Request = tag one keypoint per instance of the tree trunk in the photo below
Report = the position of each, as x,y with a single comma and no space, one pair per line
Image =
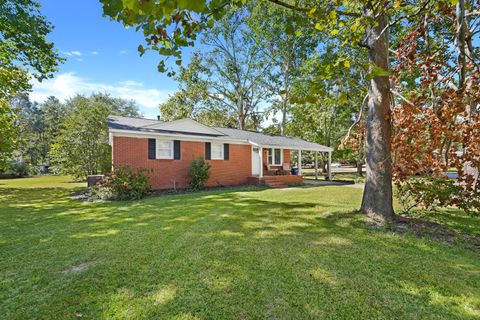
460,42
377,196
241,114
284,116
360,158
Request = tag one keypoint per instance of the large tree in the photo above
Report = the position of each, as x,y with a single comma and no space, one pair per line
286,41
183,104
37,124
362,25
229,75
325,100
24,53
81,148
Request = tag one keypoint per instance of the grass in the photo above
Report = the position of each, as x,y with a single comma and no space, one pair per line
65,182
243,254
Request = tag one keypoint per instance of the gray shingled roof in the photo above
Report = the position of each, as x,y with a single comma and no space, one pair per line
127,123
257,138
272,140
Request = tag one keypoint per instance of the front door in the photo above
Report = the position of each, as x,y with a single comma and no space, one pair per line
255,162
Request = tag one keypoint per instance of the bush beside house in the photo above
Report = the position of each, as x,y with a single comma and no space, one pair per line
199,173
124,184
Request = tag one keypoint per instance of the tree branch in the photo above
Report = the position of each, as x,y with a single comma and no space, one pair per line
305,10
360,116
394,22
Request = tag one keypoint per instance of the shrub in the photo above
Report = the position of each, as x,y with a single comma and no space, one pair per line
434,192
20,168
199,173
124,184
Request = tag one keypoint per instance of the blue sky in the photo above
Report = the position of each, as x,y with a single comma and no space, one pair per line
101,56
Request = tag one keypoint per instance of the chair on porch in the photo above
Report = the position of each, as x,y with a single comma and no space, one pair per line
286,169
269,170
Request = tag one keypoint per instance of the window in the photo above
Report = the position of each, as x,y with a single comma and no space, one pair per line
275,157
164,149
217,151
278,156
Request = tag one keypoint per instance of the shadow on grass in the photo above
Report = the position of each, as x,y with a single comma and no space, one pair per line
223,254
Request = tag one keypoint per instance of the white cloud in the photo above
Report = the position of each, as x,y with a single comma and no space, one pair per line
94,53
73,53
123,51
66,85
131,83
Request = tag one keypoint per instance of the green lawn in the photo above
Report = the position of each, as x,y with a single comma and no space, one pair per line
245,254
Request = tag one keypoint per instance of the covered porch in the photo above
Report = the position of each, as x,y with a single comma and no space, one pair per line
272,164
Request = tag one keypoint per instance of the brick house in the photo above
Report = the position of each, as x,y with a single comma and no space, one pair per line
236,156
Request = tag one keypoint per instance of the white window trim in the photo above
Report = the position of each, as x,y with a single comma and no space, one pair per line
156,149
273,157
222,148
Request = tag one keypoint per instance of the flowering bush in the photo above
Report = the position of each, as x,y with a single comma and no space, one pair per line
124,184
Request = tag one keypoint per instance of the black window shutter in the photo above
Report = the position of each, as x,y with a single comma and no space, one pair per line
226,151
176,149
151,148
208,151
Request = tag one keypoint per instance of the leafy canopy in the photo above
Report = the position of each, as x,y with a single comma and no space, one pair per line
24,52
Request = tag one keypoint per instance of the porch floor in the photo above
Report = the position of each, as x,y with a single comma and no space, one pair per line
275,181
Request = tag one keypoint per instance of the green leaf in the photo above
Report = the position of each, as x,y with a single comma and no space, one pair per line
377,71
289,29
131,4
141,49
193,5
346,63
333,15
319,26
334,32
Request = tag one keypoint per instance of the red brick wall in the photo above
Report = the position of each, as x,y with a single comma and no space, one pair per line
133,152
286,157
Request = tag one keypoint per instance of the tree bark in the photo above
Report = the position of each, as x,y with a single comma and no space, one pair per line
240,113
377,196
460,42
284,116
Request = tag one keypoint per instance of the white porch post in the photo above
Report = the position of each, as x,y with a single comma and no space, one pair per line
299,162
316,165
260,158
330,165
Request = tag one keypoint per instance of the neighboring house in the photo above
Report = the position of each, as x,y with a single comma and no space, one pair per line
168,148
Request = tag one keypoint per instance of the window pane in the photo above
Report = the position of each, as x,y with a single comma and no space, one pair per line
270,155
164,149
217,150
278,159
